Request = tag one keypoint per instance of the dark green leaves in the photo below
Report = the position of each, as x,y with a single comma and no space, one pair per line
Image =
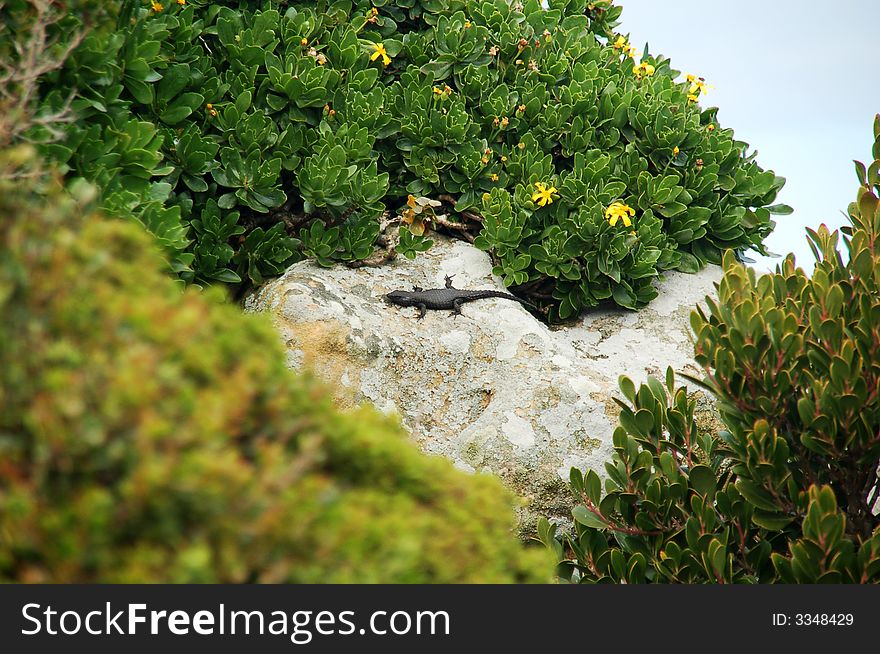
702,480
255,181
410,244
587,518
265,252
286,116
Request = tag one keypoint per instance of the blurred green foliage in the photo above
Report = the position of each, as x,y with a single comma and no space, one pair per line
789,491
153,436
230,129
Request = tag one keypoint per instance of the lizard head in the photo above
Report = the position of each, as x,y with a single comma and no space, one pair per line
403,298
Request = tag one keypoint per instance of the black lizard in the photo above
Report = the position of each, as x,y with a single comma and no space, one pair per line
445,298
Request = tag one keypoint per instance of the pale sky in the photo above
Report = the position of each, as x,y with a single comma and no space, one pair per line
799,80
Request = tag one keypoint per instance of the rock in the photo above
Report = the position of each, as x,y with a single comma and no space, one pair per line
493,389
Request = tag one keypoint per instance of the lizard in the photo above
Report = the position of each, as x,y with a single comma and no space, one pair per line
446,298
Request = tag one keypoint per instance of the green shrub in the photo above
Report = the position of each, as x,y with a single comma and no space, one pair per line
153,436
789,492
246,136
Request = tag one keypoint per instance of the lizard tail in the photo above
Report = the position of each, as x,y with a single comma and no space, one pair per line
508,296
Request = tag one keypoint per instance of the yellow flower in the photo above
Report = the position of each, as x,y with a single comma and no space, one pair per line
711,127
620,43
543,195
380,52
412,216
692,97
630,52
303,41
493,177
181,2
619,211
437,91
156,6
643,69
467,24
675,151
698,85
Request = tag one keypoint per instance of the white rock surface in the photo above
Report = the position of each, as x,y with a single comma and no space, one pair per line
493,389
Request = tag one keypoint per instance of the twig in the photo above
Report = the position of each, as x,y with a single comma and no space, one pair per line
20,77
475,217
443,221
387,220
469,215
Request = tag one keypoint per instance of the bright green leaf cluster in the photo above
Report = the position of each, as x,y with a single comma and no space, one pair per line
298,113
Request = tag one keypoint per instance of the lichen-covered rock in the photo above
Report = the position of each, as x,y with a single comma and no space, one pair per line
493,389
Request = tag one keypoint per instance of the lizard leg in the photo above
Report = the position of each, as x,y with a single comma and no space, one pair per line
418,289
456,308
449,281
422,311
